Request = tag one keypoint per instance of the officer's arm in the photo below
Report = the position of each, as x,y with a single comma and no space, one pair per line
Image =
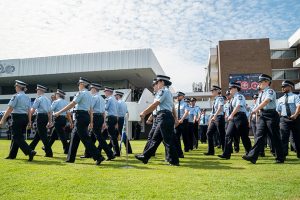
151,108
263,104
69,117
235,110
150,118
6,114
174,113
68,107
30,113
91,111
186,113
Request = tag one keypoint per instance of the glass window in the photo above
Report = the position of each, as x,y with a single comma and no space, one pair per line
291,74
283,54
278,74
285,74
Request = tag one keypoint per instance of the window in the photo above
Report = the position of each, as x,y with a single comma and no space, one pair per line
282,74
283,54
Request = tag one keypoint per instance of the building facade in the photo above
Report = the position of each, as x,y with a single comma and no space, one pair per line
243,61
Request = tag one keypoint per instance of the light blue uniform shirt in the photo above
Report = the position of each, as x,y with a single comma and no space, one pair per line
239,100
164,96
183,107
204,119
98,103
59,104
192,113
122,108
83,100
227,108
293,101
20,103
111,106
268,93
219,101
42,104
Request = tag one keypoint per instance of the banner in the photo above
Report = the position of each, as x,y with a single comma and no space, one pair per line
249,83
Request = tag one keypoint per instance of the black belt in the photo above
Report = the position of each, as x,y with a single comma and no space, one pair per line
268,111
42,114
80,111
164,111
18,114
98,114
240,113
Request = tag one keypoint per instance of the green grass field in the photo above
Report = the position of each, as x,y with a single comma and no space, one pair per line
198,177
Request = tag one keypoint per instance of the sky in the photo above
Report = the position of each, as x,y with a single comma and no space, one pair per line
180,32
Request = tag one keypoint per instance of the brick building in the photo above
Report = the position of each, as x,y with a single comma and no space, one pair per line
243,60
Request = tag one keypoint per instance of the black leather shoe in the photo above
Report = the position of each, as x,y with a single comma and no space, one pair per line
173,164
142,158
49,155
209,154
84,156
110,158
31,155
98,162
279,161
248,158
224,157
9,158
69,161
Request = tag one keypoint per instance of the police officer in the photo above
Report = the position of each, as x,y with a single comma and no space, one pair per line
42,106
193,113
60,121
98,106
165,122
83,119
152,120
236,137
19,108
217,120
237,121
196,113
289,109
181,130
111,108
203,125
268,122
122,112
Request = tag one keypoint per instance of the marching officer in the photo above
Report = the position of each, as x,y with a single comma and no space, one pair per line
98,106
42,106
289,109
217,120
83,119
122,112
60,121
165,122
111,108
181,130
19,108
268,122
152,120
203,126
237,121
195,111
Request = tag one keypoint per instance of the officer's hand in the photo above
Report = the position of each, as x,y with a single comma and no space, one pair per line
71,125
91,125
29,125
104,126
142,115
176,123
213,118
1,123
230,118
49,125
56,114
148,122
293,117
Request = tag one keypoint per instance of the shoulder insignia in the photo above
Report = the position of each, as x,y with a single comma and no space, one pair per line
240,97
161,92
270,91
